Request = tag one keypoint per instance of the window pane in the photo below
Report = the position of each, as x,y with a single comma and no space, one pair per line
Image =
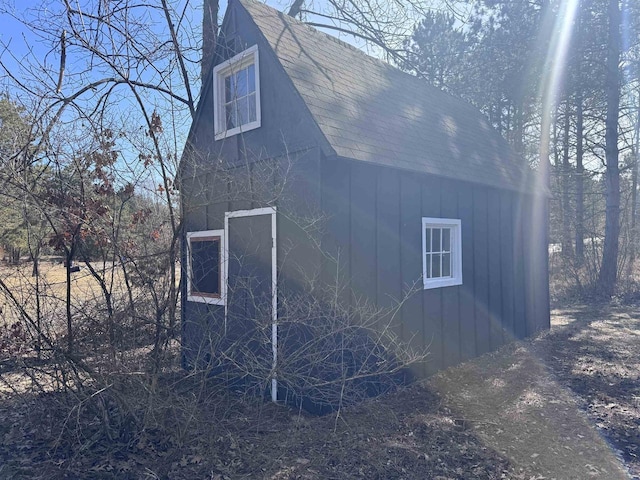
228,94
205,266
251,71
435,265
446,239
252,107
428,240
428,263
435,247
232,119
242,85
233,88
446,264
236,94
243,110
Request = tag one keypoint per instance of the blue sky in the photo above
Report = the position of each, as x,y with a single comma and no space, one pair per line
20,40
14,34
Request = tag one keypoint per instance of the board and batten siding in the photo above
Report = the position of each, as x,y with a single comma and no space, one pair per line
209,194
373,243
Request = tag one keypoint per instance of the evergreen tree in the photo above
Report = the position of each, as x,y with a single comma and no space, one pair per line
437,52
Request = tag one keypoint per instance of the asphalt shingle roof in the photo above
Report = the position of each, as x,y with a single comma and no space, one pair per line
373,112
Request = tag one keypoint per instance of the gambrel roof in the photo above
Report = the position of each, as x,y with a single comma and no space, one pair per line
372,112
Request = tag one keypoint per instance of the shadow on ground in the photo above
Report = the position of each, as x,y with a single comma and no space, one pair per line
595,352
536,402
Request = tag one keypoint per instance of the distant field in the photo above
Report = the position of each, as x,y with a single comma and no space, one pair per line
52,288
86,294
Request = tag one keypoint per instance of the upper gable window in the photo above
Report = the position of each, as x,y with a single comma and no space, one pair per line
236,94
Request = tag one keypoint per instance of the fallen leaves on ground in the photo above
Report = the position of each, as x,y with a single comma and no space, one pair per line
520,413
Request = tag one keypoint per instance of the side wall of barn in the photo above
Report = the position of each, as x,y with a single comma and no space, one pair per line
373,240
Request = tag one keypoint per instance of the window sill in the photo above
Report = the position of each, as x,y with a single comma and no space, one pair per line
439,283
235,131
204,299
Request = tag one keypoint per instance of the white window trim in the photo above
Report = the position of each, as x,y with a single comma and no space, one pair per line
223,260
238,62
456,252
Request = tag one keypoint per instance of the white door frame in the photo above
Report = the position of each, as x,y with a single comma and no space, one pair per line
274,280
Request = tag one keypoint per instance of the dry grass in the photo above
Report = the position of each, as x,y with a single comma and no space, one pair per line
53,276
132,318
52,285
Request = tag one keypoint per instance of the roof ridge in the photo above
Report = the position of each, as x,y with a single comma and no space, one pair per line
424,85
339,41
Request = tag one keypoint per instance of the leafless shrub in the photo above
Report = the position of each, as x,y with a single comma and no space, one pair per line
327,355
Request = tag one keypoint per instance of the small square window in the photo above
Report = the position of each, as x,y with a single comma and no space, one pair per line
236,94
441,252
204,266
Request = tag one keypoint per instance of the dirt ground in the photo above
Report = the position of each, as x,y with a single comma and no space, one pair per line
595,353
553,406
565,405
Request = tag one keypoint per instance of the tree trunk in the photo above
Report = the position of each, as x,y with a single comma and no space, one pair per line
209,33
609,269
294,11
567,246
14,255
634,194
579,182
68,262
69,254
518,140
556,167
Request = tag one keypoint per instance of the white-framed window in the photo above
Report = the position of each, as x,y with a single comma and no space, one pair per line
236,94
205,262
441,252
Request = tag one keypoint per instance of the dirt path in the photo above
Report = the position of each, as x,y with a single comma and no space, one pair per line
528,401
595,352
